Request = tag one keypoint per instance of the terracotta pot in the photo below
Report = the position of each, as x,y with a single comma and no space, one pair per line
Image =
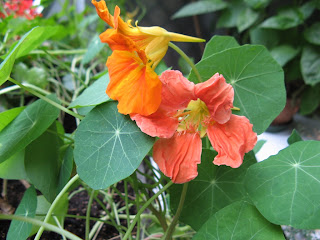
286,116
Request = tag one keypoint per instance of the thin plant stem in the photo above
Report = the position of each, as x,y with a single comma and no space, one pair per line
60,52
143,208
174,222
57,105
59,225
43,225
88,214
53,205
125,183
188,60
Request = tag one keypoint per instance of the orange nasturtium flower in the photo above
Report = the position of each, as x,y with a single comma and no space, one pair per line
189,112
136,53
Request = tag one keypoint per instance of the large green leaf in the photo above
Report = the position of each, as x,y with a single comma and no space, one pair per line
284,53
8,116
28,42
219,44
310,99
13,168
94,94
312,34
286,187
66,169
25,128
20,230
200,7
214,188
257,80
310,64
270,38
239,221
108,146
42,162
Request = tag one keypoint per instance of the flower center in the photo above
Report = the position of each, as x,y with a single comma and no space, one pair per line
194,118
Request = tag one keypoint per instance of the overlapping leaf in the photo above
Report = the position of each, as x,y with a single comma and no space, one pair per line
219,44
239,221
286,187
257,80
108,146
28,126
214,188
310,64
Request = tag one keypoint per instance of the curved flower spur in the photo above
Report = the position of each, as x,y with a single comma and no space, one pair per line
189,112
136,53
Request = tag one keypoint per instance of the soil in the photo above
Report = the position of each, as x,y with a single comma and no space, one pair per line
77,206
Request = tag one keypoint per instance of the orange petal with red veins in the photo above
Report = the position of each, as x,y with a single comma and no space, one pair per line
177,91
133,83
177,157
232,140
159,124
218,96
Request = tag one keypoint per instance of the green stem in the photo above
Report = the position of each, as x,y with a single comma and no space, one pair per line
60,52
174,222
55,202
143,208
57,105
43,225
88,214
125,183
188,60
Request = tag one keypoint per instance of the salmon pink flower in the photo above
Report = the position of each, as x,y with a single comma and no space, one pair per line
136,53
189,112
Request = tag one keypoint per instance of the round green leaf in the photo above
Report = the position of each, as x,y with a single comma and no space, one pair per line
312,34
26,208
214,188
239,221
257,80
108,146
219,44
13,168
310,65
25,128
286,187
284,53
8,116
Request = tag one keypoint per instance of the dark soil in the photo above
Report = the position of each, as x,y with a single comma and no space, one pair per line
77,206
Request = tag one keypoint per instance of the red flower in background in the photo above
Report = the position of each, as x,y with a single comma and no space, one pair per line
20,8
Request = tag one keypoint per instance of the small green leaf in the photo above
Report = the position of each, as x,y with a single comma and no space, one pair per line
229,16
268,37
13,168
28,42
94,94
239,220
28,126
258,4
95,46
294,137
108,146
286,187
246,18
200,7
258,146
312,34
310,64
310,99
257,80
42,162
66,168
8,116
284,53
27,208
214,188
218,44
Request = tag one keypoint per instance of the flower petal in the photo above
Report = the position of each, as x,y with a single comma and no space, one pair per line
218,96
177,91
133,83
159,124
232,140
117,41
177,157
103,12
